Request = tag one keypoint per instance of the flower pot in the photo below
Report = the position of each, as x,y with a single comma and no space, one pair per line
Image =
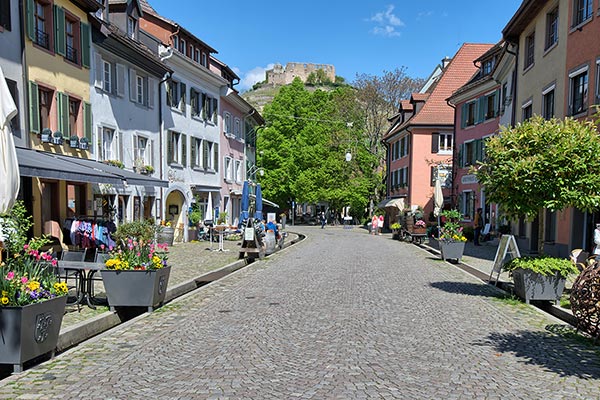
417,230
530,285
452,250
30,331
192,234
136,288
83,145
166,235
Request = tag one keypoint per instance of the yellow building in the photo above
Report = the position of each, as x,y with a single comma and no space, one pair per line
57,62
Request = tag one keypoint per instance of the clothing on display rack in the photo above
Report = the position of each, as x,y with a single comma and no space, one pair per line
92,233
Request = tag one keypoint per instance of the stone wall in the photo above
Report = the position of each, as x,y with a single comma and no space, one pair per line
283,76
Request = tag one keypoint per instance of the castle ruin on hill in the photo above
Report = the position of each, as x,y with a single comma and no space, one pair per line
284,76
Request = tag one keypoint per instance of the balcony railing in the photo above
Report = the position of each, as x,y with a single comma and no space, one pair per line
71,54
41,39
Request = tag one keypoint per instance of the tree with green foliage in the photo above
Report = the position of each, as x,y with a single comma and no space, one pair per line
542,164
303,149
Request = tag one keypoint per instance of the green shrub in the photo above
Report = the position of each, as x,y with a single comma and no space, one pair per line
547,266
136,230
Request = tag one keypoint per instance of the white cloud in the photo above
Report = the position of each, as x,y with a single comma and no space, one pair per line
386,22
256,74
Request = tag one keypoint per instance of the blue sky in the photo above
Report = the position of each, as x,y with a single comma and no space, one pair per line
355,36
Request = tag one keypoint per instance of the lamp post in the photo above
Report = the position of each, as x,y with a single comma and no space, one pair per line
253,170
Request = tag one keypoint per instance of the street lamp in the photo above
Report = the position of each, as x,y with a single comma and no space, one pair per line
254,169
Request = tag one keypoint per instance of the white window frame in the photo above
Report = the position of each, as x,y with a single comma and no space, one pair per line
204,59
142,152
545,93
524,106
467,204
227,124
237,131
572,76
109,151
228,168
474,114
551,32
527,51
131,27
107,84
598,81
443,147
176,146
238,171
140,92
588,5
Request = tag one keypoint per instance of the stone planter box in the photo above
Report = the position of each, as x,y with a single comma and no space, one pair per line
530,285
166,235
133,288
30,331
452,250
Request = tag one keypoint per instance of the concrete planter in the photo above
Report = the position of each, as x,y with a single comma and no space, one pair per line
530,285
134,288
452,250
30,331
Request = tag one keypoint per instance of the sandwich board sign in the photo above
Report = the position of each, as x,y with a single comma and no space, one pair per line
507,246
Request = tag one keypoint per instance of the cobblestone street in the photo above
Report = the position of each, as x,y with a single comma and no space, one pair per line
340,315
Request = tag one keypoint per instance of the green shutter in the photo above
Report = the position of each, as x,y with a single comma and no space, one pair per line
169,93
497,103
30,7
63,113
463,116
204,106
59,31
169,147
193,152
205,154
34,108
461,151
85,45
481,106
216,153
193,102
182,98
184,150
435,143
87,120
215,115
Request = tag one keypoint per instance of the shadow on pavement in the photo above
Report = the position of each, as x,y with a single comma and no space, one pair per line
472,289
556,353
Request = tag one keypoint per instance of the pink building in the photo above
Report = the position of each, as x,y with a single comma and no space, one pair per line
421,138
477,107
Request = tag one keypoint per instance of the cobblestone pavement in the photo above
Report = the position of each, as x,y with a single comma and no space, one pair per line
341,315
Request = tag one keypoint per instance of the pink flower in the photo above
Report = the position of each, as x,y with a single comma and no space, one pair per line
10,275
102,246
24,280
110,248
54,262
25,247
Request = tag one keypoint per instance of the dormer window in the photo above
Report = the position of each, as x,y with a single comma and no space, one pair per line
487,67
131,27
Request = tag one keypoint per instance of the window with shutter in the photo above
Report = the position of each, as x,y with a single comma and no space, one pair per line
481,108
59,30
170,147
204,107
184,150
215,115
87,120
193,102
216,157
34,108
205,154
194,152
63,113
435,143
151,91
132,85
182,99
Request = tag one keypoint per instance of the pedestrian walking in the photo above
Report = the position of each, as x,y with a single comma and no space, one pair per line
597,239
380,224
478,225
374,224
323,219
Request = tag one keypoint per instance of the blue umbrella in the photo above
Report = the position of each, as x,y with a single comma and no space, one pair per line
245,202
259,200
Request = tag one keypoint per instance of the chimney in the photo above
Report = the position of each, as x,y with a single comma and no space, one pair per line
445,61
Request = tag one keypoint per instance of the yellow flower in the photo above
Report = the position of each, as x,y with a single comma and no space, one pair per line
4,293
33,285
4,300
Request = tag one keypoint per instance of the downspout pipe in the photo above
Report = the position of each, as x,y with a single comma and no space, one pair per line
513,89
161,126
453,195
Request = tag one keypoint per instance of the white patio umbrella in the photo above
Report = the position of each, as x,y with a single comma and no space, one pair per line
209,215
438,201
9,166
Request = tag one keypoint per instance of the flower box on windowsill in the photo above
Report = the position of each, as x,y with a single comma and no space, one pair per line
74,141
57,138
46,135
84,143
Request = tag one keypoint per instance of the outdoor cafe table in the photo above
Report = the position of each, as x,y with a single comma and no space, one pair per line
85,272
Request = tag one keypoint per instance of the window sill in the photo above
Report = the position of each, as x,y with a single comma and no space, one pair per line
175,109
73,63
197,168
549,49
580,114
176,165
580,26
229,136
528,68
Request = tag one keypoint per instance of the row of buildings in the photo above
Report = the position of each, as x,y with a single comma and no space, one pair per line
547,63
123,114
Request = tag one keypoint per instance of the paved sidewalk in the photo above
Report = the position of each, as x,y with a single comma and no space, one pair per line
340,315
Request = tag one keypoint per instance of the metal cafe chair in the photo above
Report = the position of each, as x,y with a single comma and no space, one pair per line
71,274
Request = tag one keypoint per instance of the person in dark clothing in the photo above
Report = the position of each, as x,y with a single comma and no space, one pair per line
478,225
322,219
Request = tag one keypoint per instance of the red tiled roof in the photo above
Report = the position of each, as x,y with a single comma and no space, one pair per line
420,96
406,105
436,111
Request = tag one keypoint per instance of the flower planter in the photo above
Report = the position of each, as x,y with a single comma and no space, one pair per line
136,288
192,234
166,235
530,285
418,230
83,144
30,331
452,250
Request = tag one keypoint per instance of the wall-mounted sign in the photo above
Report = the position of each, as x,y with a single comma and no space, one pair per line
466,179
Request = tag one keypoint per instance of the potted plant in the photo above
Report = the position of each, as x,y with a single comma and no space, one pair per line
451,239
136,272
222,220
32,300
46,135
540,278
165,233
115,163
84,143
420,227
148,169
74,141
57,138
194,217
395,227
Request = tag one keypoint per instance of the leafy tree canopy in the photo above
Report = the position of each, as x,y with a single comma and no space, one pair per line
542,164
